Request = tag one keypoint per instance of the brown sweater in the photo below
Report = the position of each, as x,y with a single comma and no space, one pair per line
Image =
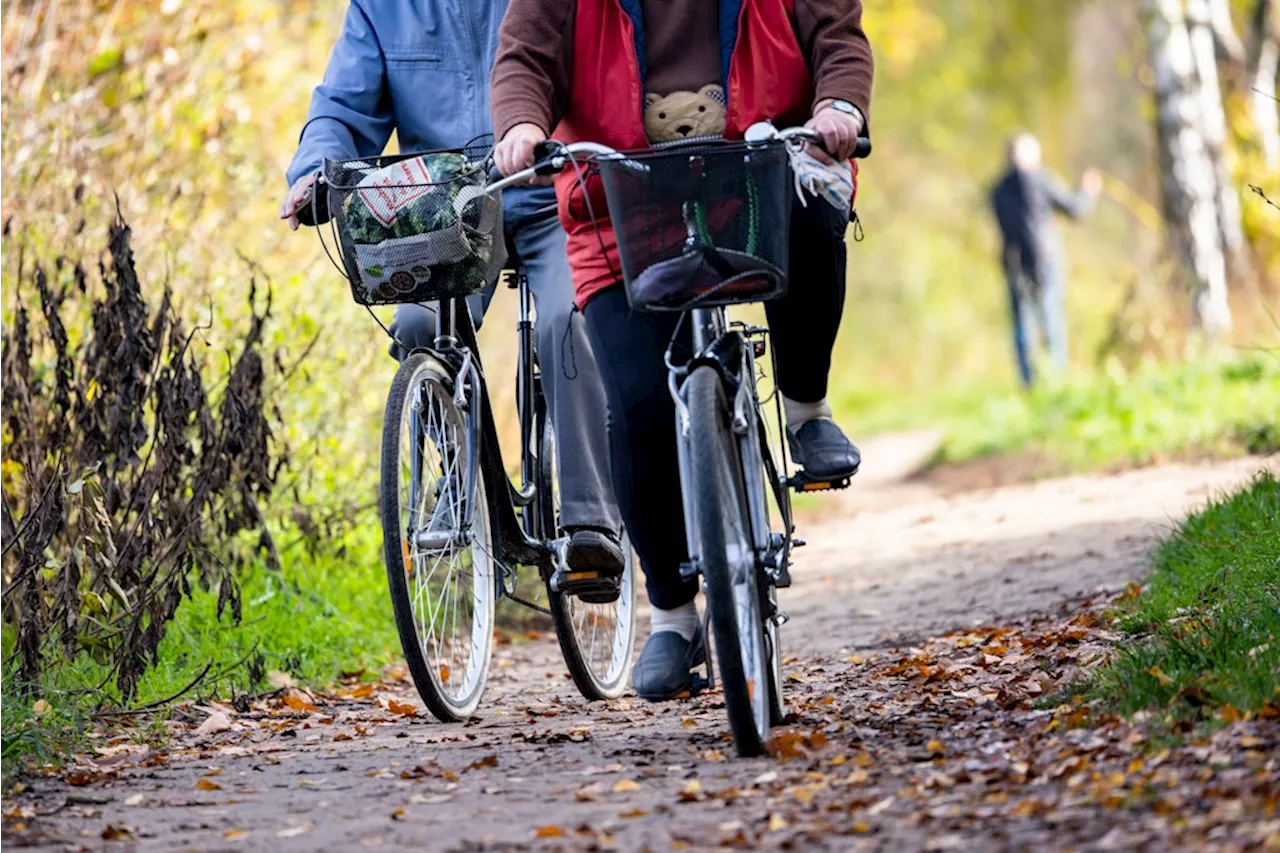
531,74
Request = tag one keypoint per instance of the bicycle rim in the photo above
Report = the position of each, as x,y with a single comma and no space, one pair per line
727,560
437,549
596,639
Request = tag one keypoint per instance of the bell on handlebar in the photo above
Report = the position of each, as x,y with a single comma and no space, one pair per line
761,131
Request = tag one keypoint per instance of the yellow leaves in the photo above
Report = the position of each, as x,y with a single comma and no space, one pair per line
857,777
626,786
298,701
692,792
548,832
206,785
234,834
712,755
40,707
688,723
1134,766
777,822
936,748
398,813
1159,676
861,827
633,814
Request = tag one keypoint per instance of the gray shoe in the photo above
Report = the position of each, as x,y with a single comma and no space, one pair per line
821,448
664,670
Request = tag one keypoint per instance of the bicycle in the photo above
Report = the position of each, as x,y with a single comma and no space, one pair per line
455,525
735,485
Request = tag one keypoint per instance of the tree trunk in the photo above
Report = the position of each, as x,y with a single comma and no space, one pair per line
1263,78
1211,36
1188,176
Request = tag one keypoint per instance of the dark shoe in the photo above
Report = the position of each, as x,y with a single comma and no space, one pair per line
594,550
664,669
823,451
592,567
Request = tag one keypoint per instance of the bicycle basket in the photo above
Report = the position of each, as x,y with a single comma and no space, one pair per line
416,227
700,226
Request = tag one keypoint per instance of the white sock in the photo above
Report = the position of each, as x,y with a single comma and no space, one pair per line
683,620
799,414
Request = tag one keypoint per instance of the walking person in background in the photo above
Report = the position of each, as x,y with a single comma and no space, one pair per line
421,69
1024,201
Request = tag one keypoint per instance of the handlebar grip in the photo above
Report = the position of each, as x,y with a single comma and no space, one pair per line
308,215
863,149
545,155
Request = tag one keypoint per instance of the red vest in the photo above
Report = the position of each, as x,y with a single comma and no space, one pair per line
768,79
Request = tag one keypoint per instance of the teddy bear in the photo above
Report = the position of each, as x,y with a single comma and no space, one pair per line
684,115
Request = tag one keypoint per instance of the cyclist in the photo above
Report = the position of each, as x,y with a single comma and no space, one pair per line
418,68
581,70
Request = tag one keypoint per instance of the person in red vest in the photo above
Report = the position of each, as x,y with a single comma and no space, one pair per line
581,70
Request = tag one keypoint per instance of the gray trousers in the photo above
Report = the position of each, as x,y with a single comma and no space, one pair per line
570,378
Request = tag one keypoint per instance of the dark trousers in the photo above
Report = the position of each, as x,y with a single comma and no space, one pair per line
1037,303
629,349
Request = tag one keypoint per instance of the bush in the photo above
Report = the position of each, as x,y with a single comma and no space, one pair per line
126,477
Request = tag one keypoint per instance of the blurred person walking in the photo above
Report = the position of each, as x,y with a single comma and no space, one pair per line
1024,201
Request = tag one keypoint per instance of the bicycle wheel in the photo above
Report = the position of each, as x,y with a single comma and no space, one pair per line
438,550
596,638
727,560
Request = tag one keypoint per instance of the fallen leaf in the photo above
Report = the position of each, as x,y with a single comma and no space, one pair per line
688,723
861,827
341,736
40,707
777,822
234,834
361,692
397,813
634,813
1159,676
213,771
623,786
548,832
134,800
713,755
298,701
402,708
857,777
214,723
692,791
488,761
936,748
293,831
880,806
206,785
766,778
280,680
115,833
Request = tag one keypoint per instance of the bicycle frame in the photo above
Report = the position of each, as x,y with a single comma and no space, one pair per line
715,342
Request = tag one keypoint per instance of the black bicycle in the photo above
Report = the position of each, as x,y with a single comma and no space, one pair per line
701,226
455,526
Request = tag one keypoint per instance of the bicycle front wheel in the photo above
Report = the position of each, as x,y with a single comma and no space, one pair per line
597,637
727,559
437,540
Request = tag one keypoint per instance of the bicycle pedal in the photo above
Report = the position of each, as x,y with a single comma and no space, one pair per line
696,686
689,571
802,482
591,586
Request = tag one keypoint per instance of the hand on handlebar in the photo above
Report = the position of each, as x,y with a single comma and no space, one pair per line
516,151
298,197
839,132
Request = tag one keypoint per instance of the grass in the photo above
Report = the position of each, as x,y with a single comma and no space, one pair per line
1216,406
314,619
1203,636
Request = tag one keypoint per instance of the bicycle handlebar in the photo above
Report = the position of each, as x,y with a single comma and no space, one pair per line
552,156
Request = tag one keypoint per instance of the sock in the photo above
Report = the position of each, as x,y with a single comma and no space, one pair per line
683,620
799,414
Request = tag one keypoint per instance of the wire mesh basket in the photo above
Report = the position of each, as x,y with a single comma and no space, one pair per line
701,225
416,227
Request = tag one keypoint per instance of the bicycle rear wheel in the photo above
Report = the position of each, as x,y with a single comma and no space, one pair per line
437,542
727,559
596,638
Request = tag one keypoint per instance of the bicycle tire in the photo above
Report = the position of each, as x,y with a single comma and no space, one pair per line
727,559
422,382
596,679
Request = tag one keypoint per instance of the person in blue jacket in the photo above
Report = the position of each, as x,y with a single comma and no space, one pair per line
420,68
1025,201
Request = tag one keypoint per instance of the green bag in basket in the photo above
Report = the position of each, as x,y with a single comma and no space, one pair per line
419,229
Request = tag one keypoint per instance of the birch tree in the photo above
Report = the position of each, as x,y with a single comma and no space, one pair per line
1189,180
1263,77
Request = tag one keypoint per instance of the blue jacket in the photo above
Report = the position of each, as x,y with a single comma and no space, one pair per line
418,67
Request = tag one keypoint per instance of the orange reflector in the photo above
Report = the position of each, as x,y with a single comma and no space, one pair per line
581,576
404,546
751,689
814,487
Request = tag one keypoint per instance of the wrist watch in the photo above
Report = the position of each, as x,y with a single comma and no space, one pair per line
849,110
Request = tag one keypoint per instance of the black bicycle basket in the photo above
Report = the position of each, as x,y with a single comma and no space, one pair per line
701,225
416,227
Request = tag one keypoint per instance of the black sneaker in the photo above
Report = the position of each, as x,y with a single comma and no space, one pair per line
592,568
822,449
664,670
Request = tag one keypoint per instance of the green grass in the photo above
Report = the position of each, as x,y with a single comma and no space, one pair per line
1204,633
312,620
1216,406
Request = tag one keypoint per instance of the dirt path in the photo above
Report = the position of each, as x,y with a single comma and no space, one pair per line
919,749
